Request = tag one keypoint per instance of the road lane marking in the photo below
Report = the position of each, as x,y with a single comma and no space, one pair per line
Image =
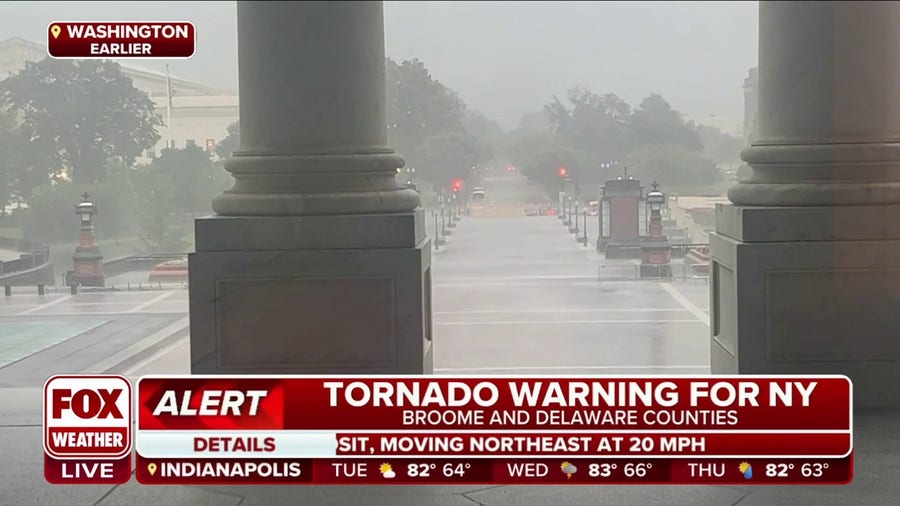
2,306
123,355
149,303
45,306
94,313
690,306
162,352
499,279
561,322
564,310
571,368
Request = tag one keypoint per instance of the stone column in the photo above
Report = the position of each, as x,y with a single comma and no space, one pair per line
317,259
806,262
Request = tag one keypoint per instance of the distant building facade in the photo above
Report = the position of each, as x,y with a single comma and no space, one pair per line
200,114
751,105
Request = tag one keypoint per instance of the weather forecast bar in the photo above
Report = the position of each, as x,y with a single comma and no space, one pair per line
550,471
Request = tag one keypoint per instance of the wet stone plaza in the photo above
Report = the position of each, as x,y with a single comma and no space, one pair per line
512,295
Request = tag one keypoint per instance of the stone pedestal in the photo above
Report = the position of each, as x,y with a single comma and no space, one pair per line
656,257
87,262
622,221
809,290
317,260
806,262
88,269
331,294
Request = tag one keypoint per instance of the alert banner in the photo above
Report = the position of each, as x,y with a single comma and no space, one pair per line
495,403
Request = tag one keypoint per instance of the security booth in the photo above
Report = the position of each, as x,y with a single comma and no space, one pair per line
623,218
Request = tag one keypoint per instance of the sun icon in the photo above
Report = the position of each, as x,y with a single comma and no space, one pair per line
386,471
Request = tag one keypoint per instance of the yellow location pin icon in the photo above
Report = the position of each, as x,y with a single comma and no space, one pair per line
151,468
55,31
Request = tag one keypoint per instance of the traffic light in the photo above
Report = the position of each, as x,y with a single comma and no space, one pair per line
457,185
562,171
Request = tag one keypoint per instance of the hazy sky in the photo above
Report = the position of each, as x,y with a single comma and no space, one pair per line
505,58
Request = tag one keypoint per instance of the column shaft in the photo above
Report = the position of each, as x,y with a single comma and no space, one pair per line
313,114
804,276
829,111
317,260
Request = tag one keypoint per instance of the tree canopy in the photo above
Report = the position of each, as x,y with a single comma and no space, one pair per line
596,135
431,126
77,114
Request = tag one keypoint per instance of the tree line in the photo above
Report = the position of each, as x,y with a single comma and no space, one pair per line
597,137
69,126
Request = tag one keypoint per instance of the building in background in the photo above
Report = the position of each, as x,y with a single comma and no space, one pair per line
200,114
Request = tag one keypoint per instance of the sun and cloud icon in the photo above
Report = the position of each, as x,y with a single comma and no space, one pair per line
387,471
746,469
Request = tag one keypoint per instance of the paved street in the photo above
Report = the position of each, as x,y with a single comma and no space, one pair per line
511,295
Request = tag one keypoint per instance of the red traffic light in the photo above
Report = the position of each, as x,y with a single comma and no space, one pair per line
457,184
562,171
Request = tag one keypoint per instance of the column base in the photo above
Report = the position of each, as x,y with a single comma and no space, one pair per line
311,295
808,290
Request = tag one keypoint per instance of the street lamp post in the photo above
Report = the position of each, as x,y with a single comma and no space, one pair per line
452,212
656,251
574,228
438,239
584,239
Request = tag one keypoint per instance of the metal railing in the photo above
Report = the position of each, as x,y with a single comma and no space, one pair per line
32,267
632,271
130,263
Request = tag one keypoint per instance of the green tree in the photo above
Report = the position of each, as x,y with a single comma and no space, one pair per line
655,123
418,106
76,115
8,161
116,201
720,146
596,124
50,216
231,142
160,227
431,126
673,166
447,156
192,177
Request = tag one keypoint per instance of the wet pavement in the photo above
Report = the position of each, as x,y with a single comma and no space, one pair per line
511,295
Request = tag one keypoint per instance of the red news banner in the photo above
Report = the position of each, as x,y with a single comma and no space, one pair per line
121,40
481,430
494,430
